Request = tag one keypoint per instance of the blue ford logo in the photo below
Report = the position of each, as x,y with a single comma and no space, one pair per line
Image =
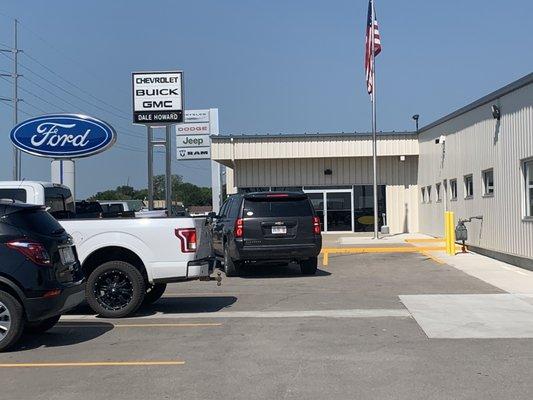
63,136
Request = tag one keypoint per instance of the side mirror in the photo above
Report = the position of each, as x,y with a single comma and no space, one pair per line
212,215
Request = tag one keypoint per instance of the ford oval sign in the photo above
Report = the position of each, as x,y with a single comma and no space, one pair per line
63,136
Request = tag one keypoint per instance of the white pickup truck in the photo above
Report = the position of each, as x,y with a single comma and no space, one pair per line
127,261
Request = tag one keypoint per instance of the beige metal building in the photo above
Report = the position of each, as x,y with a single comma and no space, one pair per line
336,171
482,165
471,161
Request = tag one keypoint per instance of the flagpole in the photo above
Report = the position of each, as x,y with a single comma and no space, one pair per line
374,139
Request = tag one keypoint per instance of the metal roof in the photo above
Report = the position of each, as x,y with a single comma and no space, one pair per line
306,135
526,80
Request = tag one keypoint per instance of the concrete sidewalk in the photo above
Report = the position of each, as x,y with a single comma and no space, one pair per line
333,240
505,276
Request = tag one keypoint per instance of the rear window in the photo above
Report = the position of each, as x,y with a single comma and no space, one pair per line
58,200
13,194
114,208
38,221
277,208
88,207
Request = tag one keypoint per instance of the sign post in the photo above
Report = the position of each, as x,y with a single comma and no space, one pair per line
158,101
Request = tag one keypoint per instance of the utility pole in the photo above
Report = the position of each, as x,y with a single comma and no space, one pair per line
17,165
17,156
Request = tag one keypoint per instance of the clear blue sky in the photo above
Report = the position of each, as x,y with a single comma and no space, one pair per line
269,66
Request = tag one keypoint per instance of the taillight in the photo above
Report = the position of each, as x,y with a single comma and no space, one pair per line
316,225
35,251
239,228
187,237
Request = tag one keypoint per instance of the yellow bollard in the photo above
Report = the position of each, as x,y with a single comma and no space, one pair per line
452,233
449,224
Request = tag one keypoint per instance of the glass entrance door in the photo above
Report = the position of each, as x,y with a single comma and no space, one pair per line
334,208
339,211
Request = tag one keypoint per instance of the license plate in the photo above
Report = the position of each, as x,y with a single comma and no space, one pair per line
279,230
67,255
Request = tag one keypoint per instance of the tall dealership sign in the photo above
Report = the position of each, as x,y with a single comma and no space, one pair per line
158,97
63,137
158,101
193,142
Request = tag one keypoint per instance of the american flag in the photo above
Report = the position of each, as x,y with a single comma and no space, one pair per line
372,34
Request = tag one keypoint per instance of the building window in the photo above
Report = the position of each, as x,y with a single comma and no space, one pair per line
488,182
453,189
469,186
423,195
429,193
528,175
437,189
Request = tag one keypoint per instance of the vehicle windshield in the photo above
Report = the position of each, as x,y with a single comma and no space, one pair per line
277,208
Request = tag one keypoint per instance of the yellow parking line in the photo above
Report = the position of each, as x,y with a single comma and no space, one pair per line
104,325
405,249
437,260
365,250
426,240
93,364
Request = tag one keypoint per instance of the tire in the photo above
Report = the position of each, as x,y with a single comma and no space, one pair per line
115,289
231,267
154,293
309,266
11,320
41,326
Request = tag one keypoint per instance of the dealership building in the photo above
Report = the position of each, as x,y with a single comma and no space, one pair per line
476,161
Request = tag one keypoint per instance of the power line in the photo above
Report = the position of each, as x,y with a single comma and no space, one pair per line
11,106
123,130
59,51
73,94
70,83
34,106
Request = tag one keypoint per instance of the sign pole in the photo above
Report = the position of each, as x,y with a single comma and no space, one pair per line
150,135
168,170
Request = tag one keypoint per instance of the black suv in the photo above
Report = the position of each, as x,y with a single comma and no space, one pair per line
40,275
267,226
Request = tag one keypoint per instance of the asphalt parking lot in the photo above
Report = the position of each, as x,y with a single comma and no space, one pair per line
274,334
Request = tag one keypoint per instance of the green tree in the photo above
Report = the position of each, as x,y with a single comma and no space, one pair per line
188,193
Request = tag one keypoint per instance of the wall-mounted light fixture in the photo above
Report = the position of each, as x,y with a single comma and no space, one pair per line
496,113
402,158
328,172
440,140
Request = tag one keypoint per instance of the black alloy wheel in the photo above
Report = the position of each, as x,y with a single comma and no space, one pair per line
115,289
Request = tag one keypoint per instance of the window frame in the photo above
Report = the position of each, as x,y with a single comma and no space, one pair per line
438,191
465,186
453,189
527,168
485,192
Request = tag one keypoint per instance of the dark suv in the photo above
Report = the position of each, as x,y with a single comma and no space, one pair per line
267,226
40,275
